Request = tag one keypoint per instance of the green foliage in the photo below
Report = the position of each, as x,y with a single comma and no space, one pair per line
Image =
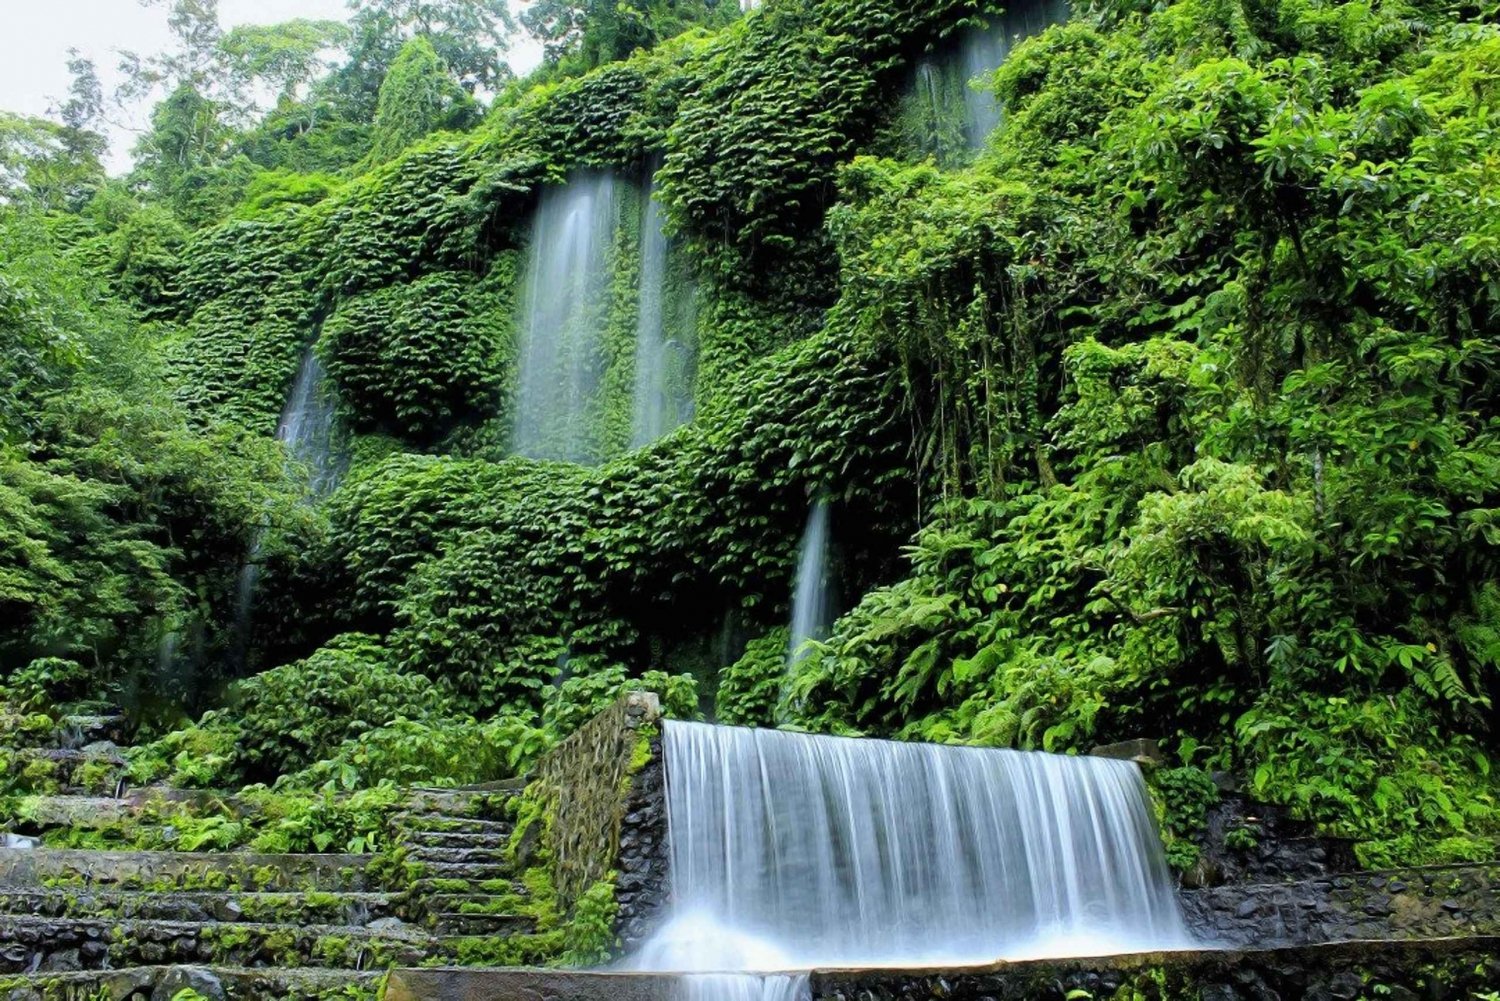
418,97
417,360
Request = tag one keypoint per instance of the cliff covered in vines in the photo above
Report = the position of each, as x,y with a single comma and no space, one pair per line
1172,411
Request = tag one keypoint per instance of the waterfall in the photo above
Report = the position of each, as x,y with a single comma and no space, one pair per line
794,852
308,424
812,595
308,430
564,313
982,53
663,333
949,109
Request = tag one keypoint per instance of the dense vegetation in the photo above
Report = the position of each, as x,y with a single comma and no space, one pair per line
1172,411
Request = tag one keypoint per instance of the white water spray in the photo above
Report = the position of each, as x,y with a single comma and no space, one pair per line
664,334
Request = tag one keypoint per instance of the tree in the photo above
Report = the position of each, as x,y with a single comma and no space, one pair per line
599,31
285,57
418,97
46,164
469,36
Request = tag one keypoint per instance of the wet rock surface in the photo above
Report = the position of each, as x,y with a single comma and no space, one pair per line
1439,901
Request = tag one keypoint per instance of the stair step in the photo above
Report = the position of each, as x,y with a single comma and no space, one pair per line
36,944
236,983
352,909
36,868
429,888
442,823
472,872
467,903
457,839
43,812
49,769
457,856
499,925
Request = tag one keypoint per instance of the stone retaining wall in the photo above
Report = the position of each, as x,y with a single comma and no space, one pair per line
1397,971
1446,970
602,789
1438,901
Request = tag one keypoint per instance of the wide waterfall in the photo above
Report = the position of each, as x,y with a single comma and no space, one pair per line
564,314
793,852
308,425
664,338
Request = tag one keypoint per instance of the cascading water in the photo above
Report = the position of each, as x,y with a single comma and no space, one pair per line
308,424
564,314
663,359
983,52
794,852
812,595
308,429
950,109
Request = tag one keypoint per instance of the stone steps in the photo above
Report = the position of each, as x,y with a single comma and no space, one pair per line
161,983
351,909
37,944
457,839
418,824
45,812
468,872
22,868
462,925
47,770
485,856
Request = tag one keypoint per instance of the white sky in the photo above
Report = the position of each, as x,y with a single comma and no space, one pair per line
35,36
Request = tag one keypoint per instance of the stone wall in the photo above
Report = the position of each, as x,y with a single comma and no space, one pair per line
1431,902
1398,971
601,790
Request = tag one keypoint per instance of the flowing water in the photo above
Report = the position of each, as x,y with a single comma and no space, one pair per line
308,429
308,426
812,595
951,108
663,337
565,310
984,51
792,852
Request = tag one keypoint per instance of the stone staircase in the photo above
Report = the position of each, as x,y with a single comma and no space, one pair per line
237,926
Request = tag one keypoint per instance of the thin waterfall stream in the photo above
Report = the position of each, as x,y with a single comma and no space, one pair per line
792,852
308,429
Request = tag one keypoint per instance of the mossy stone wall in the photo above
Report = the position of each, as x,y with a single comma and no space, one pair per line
585,785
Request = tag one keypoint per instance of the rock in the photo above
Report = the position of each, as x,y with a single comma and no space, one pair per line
62,961
387,925
1141,750
181,978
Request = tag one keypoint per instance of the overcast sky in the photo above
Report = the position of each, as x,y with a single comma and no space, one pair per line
35,36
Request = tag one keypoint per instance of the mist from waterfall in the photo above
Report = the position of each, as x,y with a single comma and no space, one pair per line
985,50
664,354
564,313
795,852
